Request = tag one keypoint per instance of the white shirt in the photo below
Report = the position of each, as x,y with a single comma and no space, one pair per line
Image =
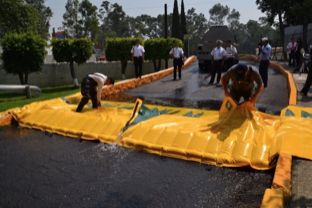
218,53
231,51
137,50
266,49
177,52
100,79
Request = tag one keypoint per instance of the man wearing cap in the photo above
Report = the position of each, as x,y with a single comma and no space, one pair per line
91,88
243,85
137,53
265,54
177,54
218,56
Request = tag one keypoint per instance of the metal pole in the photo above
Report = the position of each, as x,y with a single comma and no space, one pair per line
188,47
166,32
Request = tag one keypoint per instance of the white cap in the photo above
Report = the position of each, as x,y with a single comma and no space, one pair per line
265,39
219,41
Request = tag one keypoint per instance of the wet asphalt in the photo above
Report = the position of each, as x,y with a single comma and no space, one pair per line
38,169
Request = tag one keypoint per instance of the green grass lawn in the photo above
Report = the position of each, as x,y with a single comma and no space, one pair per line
13,100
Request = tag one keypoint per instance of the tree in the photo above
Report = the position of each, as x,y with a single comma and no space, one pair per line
218,14
197,23
23,54
72,50
118,49
89,20
184,26
71,19
43,17
176,24
17,17
273,9
158,49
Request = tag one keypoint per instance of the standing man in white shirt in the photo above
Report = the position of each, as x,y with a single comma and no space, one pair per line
177,54
291,47
218,56
265,54
137,53
231,54
91,88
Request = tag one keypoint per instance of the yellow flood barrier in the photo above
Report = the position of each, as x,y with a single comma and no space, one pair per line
240,137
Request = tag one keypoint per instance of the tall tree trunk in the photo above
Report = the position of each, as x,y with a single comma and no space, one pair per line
159,65
26,77
123,69
155,65
281,27
21,78
73,74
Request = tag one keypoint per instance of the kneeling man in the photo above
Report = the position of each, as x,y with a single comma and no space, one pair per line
243,85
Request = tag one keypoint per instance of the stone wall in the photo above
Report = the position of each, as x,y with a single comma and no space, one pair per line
55,74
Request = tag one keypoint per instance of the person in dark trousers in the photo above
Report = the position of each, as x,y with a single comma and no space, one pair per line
291,47
218,56
91,88
243,78
265,54
137,53
177,54
298,52
304,91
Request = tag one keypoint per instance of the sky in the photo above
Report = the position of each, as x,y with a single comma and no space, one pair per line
247,8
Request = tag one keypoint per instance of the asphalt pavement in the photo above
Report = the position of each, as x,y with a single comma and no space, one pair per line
39,169
301,181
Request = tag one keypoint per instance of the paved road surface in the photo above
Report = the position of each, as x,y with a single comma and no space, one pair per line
46,170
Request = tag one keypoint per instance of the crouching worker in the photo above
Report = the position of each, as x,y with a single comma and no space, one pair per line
91,88
243,85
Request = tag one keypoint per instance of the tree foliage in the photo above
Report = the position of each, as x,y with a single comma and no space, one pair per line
44,15
218,14
72,50
184,26
23,54
176,23
17,17
81,19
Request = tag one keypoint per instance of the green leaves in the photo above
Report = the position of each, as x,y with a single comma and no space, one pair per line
23,53
68,50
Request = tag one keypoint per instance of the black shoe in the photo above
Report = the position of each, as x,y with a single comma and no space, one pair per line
302,93
174,79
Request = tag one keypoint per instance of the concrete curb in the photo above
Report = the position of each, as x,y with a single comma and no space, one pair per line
280,191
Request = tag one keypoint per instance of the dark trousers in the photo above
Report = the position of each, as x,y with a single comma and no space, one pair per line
292,56
308,81
263,70
216,68
298,58
88,91
138,66
236,95
177,63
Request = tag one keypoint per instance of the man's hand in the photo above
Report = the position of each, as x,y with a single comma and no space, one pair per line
132,60
98,104
212,62
253,99
222,63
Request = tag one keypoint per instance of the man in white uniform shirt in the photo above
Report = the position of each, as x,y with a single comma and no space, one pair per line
137,53
231,54
265,54
177,54
218,56
91,88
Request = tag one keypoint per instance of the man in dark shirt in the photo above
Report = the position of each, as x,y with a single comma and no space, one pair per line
243,84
